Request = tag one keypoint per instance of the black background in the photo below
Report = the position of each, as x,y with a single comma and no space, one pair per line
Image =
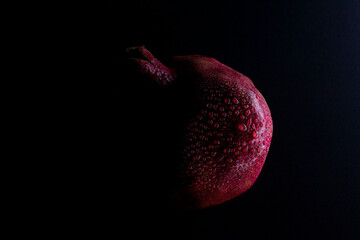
303,56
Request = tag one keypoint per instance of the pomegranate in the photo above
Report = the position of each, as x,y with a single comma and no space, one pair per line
225,126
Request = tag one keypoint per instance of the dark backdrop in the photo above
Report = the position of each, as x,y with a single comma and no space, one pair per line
303,56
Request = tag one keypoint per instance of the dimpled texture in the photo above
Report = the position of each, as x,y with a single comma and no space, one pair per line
226,136
228,139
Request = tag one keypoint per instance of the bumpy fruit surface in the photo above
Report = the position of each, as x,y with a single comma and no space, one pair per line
226,131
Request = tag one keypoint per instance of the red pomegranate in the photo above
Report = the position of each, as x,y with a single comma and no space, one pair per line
226,126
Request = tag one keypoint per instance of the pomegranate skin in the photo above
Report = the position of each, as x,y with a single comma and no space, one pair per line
226,133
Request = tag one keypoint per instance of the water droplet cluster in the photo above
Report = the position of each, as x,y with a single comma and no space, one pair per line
226,135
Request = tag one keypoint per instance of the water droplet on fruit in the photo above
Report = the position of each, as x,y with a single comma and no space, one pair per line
248,122
241,127
254,134
217,142
245,149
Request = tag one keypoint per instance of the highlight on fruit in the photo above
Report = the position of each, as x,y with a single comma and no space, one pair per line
227,131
